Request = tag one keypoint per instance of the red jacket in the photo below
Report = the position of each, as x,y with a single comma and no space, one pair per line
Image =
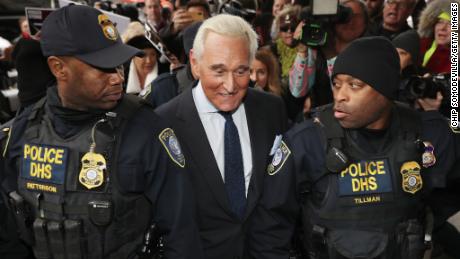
439,61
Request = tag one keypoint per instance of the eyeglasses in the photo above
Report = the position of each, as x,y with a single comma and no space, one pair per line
400,4
288,27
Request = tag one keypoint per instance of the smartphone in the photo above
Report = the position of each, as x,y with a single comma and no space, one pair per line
197,16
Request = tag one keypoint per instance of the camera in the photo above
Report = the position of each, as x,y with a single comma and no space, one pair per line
416,87
106,5
319,16
243,8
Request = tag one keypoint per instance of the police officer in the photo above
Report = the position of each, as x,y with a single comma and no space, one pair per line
87,169
356,174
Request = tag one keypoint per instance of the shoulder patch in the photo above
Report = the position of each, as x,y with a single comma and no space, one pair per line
276,144
172,146
279,158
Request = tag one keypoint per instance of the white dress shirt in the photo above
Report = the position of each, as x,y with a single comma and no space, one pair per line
214,125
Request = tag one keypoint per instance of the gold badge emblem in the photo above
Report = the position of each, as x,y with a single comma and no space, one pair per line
107,27
411,179
92,170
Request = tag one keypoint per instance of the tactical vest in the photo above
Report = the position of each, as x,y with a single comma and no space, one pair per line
370,208
70,219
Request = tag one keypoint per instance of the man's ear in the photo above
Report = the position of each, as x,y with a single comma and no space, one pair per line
58,67
194,65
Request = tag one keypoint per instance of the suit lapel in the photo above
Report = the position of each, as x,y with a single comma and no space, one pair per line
197,144
257,135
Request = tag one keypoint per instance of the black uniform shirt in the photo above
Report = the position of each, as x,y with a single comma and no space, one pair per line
301,165
144,166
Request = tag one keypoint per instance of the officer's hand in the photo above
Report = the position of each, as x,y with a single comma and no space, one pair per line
181,19
430,104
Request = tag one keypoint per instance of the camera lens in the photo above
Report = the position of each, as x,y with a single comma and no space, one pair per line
417,86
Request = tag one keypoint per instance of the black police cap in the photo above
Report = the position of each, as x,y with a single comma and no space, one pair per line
87,34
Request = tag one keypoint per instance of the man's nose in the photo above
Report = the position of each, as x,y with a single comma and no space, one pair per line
340,94
253,76
229,82
117,77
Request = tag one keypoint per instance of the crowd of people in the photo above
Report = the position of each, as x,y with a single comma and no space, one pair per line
232,129
303,69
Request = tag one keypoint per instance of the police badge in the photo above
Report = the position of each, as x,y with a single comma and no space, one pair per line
411,181
92,170
107,27
170,143
279,158
428,157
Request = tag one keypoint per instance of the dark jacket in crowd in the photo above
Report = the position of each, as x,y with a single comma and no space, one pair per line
223,234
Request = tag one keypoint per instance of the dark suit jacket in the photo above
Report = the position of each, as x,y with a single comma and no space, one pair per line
223,235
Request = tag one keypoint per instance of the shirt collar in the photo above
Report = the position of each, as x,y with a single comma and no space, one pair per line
203,105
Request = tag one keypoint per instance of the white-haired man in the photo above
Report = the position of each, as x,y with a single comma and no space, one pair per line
226,130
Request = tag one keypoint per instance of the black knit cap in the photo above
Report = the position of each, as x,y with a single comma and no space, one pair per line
87,34
373,60
410,42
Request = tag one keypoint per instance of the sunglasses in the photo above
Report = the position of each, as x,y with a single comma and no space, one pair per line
288,27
